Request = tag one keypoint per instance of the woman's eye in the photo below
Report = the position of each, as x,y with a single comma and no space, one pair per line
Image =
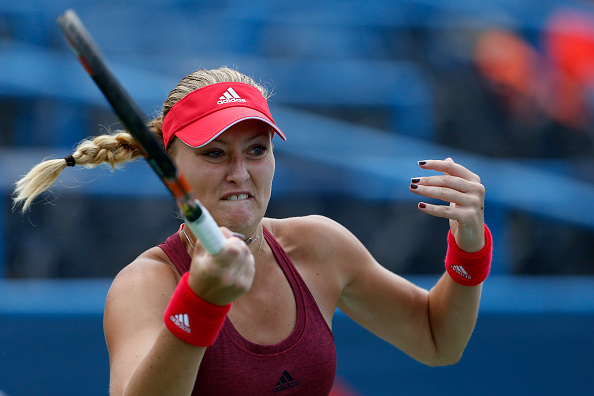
259,150
215,154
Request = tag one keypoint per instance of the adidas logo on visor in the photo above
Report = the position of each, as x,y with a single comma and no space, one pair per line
230,96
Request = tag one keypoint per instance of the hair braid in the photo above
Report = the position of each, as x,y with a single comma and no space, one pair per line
119,147
114,149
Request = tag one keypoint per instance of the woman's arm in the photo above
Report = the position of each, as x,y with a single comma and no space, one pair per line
145,357
431,326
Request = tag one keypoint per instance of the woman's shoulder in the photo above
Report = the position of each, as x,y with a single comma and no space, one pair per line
150,269
312,234
138,296
310,226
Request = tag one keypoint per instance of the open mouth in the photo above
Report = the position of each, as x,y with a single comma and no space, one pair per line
237,197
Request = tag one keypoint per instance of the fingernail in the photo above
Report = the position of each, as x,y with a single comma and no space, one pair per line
415,180
238,235
422,205
422,162
414,186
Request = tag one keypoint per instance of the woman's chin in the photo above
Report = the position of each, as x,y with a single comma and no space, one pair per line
238,222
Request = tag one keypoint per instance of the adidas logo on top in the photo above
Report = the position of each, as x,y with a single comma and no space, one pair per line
461,271
285,382
182,321
230,96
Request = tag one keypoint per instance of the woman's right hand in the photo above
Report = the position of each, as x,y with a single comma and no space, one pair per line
226,276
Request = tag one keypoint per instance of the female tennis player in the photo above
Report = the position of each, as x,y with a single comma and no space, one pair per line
256,318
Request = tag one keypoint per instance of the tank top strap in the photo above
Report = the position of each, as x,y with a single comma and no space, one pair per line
285,263
176,251
300,305
302,293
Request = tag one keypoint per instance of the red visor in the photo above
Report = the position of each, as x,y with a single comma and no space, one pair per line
205,113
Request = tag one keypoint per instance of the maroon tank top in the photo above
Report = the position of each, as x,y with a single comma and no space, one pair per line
302,364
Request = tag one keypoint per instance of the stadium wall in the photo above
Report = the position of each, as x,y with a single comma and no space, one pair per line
533,336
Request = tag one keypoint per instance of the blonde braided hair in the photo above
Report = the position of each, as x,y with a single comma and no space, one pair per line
119,147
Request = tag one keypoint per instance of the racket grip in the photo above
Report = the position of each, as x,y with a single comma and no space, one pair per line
208,232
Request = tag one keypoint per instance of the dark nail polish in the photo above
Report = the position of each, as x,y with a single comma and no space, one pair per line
414,186
422,162
415,180
422,205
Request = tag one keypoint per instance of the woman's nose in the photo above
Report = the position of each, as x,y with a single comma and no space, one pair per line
238,172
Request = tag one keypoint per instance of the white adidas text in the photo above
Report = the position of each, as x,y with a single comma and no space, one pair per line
223,101
181,321
230,96
460,271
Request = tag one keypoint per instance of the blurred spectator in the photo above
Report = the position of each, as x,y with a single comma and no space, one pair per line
541,98
569,45
509,65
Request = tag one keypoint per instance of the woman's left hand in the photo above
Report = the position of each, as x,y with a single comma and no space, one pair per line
466,195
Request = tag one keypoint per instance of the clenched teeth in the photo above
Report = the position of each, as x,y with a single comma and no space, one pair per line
239,197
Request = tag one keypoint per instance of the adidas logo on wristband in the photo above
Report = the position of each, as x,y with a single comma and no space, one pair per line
469,269
209,317
460,271
182,321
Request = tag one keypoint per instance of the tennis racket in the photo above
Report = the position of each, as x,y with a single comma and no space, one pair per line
199,219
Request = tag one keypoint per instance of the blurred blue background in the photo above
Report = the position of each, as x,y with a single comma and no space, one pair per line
363,89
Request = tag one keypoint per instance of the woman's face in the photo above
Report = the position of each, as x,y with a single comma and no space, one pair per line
232,175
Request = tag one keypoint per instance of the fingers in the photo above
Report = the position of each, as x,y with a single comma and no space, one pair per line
449,167
449,189
463,215
223,278
457,185
465,194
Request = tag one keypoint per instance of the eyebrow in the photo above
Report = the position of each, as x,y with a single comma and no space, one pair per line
247,140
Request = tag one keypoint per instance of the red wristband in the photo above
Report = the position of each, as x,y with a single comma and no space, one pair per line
192,319
469,269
